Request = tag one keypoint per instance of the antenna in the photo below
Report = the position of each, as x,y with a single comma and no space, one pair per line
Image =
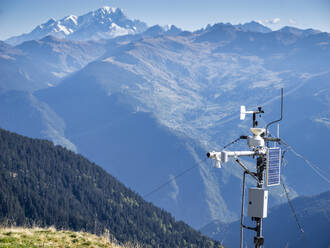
273,122
267,159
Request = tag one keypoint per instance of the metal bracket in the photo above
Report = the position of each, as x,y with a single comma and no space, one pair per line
253,174
250,228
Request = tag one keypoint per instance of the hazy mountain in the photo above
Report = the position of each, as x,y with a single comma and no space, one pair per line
280,227
12,76
254,27
155,93
42,63
132,145
23,112
102,23
61,57
35,65
157,30
299,32
5,47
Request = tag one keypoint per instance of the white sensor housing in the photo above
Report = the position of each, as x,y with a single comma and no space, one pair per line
256,140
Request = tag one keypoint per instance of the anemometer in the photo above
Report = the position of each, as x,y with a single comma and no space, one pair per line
268,162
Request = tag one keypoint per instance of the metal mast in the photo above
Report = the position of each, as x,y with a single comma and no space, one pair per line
266,158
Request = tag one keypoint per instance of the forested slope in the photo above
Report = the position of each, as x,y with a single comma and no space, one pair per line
42,184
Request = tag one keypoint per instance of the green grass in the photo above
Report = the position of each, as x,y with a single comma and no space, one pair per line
19,237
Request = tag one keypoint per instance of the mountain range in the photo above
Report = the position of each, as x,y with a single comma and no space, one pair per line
147,106
103,23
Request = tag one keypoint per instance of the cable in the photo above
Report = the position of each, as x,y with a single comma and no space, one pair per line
315,168
284,162
231,143
292,208
303,234
184,172
173,178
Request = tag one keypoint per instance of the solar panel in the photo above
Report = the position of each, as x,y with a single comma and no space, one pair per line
273,166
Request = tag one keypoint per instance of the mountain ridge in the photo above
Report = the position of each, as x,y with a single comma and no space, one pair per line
254,26
102,23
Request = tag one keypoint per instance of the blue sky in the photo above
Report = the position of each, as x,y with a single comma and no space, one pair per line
21,16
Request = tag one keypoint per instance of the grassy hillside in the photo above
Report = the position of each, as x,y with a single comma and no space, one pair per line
46,185
40,237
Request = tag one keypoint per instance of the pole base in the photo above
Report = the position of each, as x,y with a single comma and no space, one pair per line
258,241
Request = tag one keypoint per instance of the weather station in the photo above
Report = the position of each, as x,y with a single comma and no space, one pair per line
268,161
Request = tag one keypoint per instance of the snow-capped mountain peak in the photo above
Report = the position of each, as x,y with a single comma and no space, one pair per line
108,9
71,18
103,23
50,21
106,12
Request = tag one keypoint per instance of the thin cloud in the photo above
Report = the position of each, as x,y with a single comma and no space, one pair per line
260,22
292,21
273,21
174,194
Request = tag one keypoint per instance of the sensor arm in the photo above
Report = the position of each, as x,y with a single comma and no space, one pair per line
222,157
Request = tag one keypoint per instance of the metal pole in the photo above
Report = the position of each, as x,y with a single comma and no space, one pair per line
242,209
258,239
